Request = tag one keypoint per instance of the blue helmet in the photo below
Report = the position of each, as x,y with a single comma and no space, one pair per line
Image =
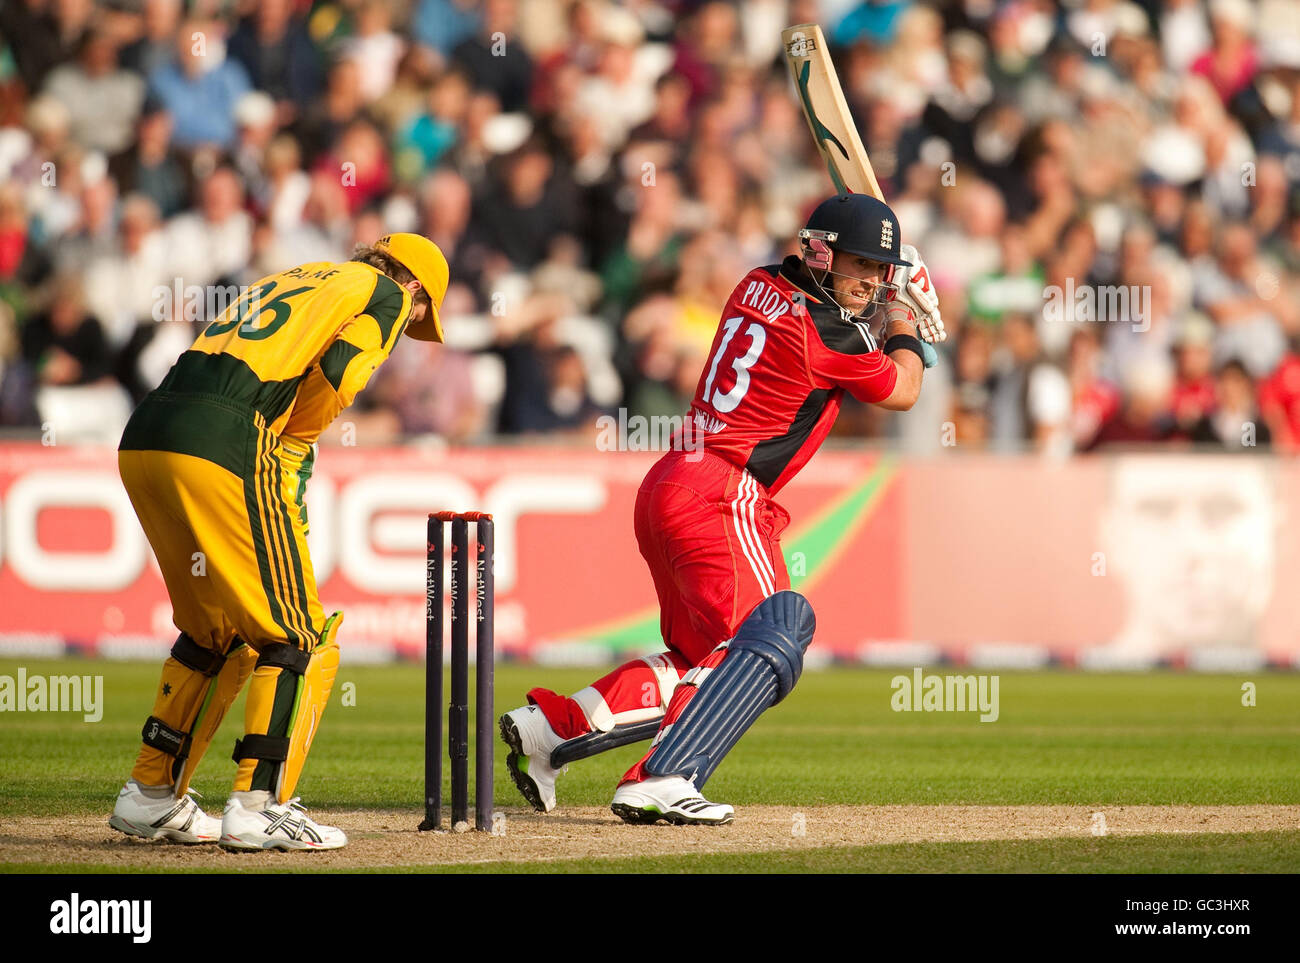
860,225
857,224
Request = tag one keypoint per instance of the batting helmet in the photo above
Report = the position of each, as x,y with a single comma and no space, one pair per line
856,224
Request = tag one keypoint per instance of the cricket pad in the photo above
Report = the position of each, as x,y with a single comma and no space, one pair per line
762,666
197,687
286,700
314,690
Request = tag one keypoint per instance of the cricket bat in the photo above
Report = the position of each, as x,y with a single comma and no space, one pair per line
826,110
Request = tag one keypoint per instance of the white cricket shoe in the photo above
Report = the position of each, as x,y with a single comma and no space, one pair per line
252,820
670,798
166,817
531,740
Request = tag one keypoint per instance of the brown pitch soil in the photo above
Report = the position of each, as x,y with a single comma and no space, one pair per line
388,837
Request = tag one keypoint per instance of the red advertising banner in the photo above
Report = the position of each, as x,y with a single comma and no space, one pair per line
1116,562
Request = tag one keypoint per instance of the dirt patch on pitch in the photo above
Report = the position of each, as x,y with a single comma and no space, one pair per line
388,837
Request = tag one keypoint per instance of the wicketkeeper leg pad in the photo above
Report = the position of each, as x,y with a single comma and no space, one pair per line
762,665
285,703
198,686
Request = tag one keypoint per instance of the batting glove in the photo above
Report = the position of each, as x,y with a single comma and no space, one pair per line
917,292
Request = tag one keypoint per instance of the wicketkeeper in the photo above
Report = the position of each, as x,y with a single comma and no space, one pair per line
793,339
215,461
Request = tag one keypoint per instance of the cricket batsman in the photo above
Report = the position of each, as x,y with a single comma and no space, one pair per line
215,461
792,340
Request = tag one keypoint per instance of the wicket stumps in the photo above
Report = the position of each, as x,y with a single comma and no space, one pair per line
458,705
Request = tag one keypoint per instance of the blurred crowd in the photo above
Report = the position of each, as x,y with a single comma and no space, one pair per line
1107,193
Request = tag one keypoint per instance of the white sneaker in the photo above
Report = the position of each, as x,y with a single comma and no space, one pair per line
670,798
178,820
252,820
531,740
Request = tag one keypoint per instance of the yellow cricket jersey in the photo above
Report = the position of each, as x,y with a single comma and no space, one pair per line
290,354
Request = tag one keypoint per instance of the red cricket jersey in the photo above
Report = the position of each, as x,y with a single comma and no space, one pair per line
777,372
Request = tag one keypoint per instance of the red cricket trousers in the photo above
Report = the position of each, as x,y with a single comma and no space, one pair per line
711,536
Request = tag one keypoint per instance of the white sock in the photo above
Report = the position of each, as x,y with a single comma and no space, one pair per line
252,799
155,792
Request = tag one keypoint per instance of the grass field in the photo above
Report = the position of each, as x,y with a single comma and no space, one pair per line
1104,742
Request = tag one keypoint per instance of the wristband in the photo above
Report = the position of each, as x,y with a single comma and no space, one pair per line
905,342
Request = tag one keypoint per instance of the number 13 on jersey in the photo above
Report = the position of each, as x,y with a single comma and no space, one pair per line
721,401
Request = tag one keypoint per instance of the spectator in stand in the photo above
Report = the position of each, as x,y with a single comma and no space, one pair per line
973,385
1193,394
577,56
103,99
706,42
432,389
321,234
1144,417
286,185
1051,199
876,22
47,35
396,110
51,159
1270,201
1015,285
647,260
276,51
121,284
95,232
23,264
160,20
360,160
65,345
200,86
494,58
1184,33
1231,61
211,245
150,166
1281,133
431,133
445,205
952,110
1094,400
375,48
619,93
1236,423
532,203
1031,397
545,383
444,24
322,123
1243,304
669,124
255,120
665,376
